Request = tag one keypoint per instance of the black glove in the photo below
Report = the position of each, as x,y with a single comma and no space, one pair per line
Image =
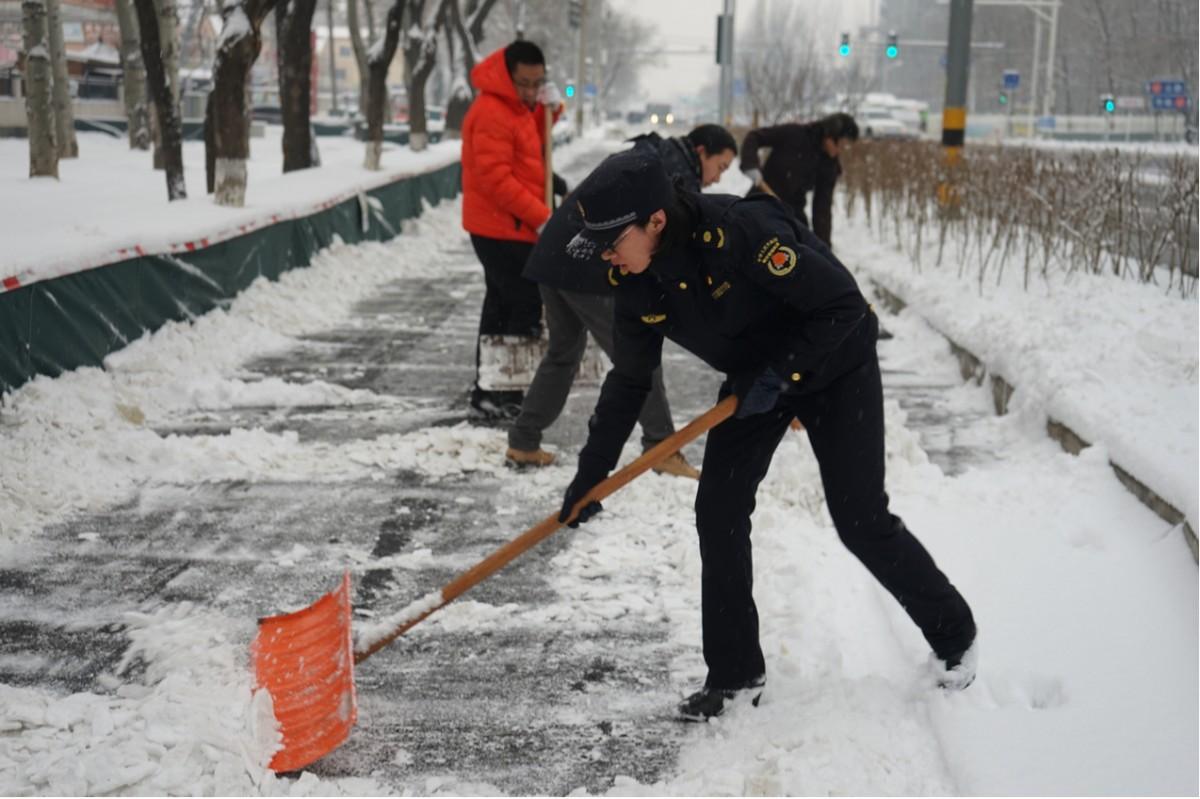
559,185
757,392
584,480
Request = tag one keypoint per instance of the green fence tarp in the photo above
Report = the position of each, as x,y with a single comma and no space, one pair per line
53,326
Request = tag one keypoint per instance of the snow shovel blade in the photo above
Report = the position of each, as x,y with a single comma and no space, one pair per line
305,660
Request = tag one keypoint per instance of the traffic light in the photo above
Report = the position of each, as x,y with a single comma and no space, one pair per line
1107,103
893,47
574,12
844,47
569,90
1003,97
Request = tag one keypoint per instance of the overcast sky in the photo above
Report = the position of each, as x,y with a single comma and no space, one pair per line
691,24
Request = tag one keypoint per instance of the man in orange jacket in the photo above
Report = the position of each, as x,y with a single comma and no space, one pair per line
504,203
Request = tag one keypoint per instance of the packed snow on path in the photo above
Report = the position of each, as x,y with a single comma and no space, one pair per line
1086,601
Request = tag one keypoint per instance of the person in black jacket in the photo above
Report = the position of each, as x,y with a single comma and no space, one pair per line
804,158
578,300
742,285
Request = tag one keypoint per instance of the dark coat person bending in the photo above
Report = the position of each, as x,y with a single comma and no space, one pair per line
757,296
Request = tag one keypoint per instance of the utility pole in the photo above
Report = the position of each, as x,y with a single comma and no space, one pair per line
725,59
1044,11
1048,100
581,78
954,110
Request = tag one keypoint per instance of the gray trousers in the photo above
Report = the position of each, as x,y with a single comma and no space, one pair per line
570,316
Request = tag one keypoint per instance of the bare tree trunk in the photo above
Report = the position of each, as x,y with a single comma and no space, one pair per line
39,112
470,34
293,23
210,144
134,79
420,58
333,86
379,60
64,109
164,100
360,55
229,120
369,8
168,41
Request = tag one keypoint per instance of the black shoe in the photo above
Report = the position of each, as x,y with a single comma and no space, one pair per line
959,669
710,702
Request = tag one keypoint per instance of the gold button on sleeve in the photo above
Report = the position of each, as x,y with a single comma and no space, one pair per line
796,377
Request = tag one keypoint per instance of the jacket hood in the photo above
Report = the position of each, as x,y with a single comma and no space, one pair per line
491,75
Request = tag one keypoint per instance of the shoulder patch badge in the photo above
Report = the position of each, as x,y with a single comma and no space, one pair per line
779,259
654,318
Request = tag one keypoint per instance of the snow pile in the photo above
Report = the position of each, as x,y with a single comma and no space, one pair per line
181,719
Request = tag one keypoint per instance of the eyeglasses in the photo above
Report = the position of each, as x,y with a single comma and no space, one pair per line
530,84
612,248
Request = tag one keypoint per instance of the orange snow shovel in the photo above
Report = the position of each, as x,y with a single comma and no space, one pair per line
306,659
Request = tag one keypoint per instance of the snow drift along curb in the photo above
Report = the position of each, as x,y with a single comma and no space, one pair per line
56,325
973,368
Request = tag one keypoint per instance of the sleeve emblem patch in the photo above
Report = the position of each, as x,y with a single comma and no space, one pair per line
654,318
779,259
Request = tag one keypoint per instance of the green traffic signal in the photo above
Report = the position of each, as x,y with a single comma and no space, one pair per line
570,90
1003,98
892,51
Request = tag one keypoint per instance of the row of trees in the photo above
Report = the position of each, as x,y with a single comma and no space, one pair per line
783,57
149,52
428,34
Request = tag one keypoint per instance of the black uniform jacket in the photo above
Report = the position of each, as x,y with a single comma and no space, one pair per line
751,288
549,265
797,165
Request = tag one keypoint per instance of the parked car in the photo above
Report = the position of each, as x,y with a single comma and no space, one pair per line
876,123
272,114
563,130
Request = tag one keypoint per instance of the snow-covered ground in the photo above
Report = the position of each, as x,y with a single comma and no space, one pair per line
1086,601
1114,360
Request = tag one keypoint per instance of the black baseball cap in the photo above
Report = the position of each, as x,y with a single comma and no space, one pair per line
626,188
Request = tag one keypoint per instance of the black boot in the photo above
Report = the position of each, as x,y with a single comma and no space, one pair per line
709,702
959,669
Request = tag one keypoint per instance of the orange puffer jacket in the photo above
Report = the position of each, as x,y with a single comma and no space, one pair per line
503,174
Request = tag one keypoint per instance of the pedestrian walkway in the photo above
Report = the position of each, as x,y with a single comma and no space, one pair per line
527,704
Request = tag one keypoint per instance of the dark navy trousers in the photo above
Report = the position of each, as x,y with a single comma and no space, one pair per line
844,421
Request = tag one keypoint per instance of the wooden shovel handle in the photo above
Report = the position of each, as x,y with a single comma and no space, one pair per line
548,150
545,528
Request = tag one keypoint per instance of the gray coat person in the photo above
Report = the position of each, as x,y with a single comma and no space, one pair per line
578,299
